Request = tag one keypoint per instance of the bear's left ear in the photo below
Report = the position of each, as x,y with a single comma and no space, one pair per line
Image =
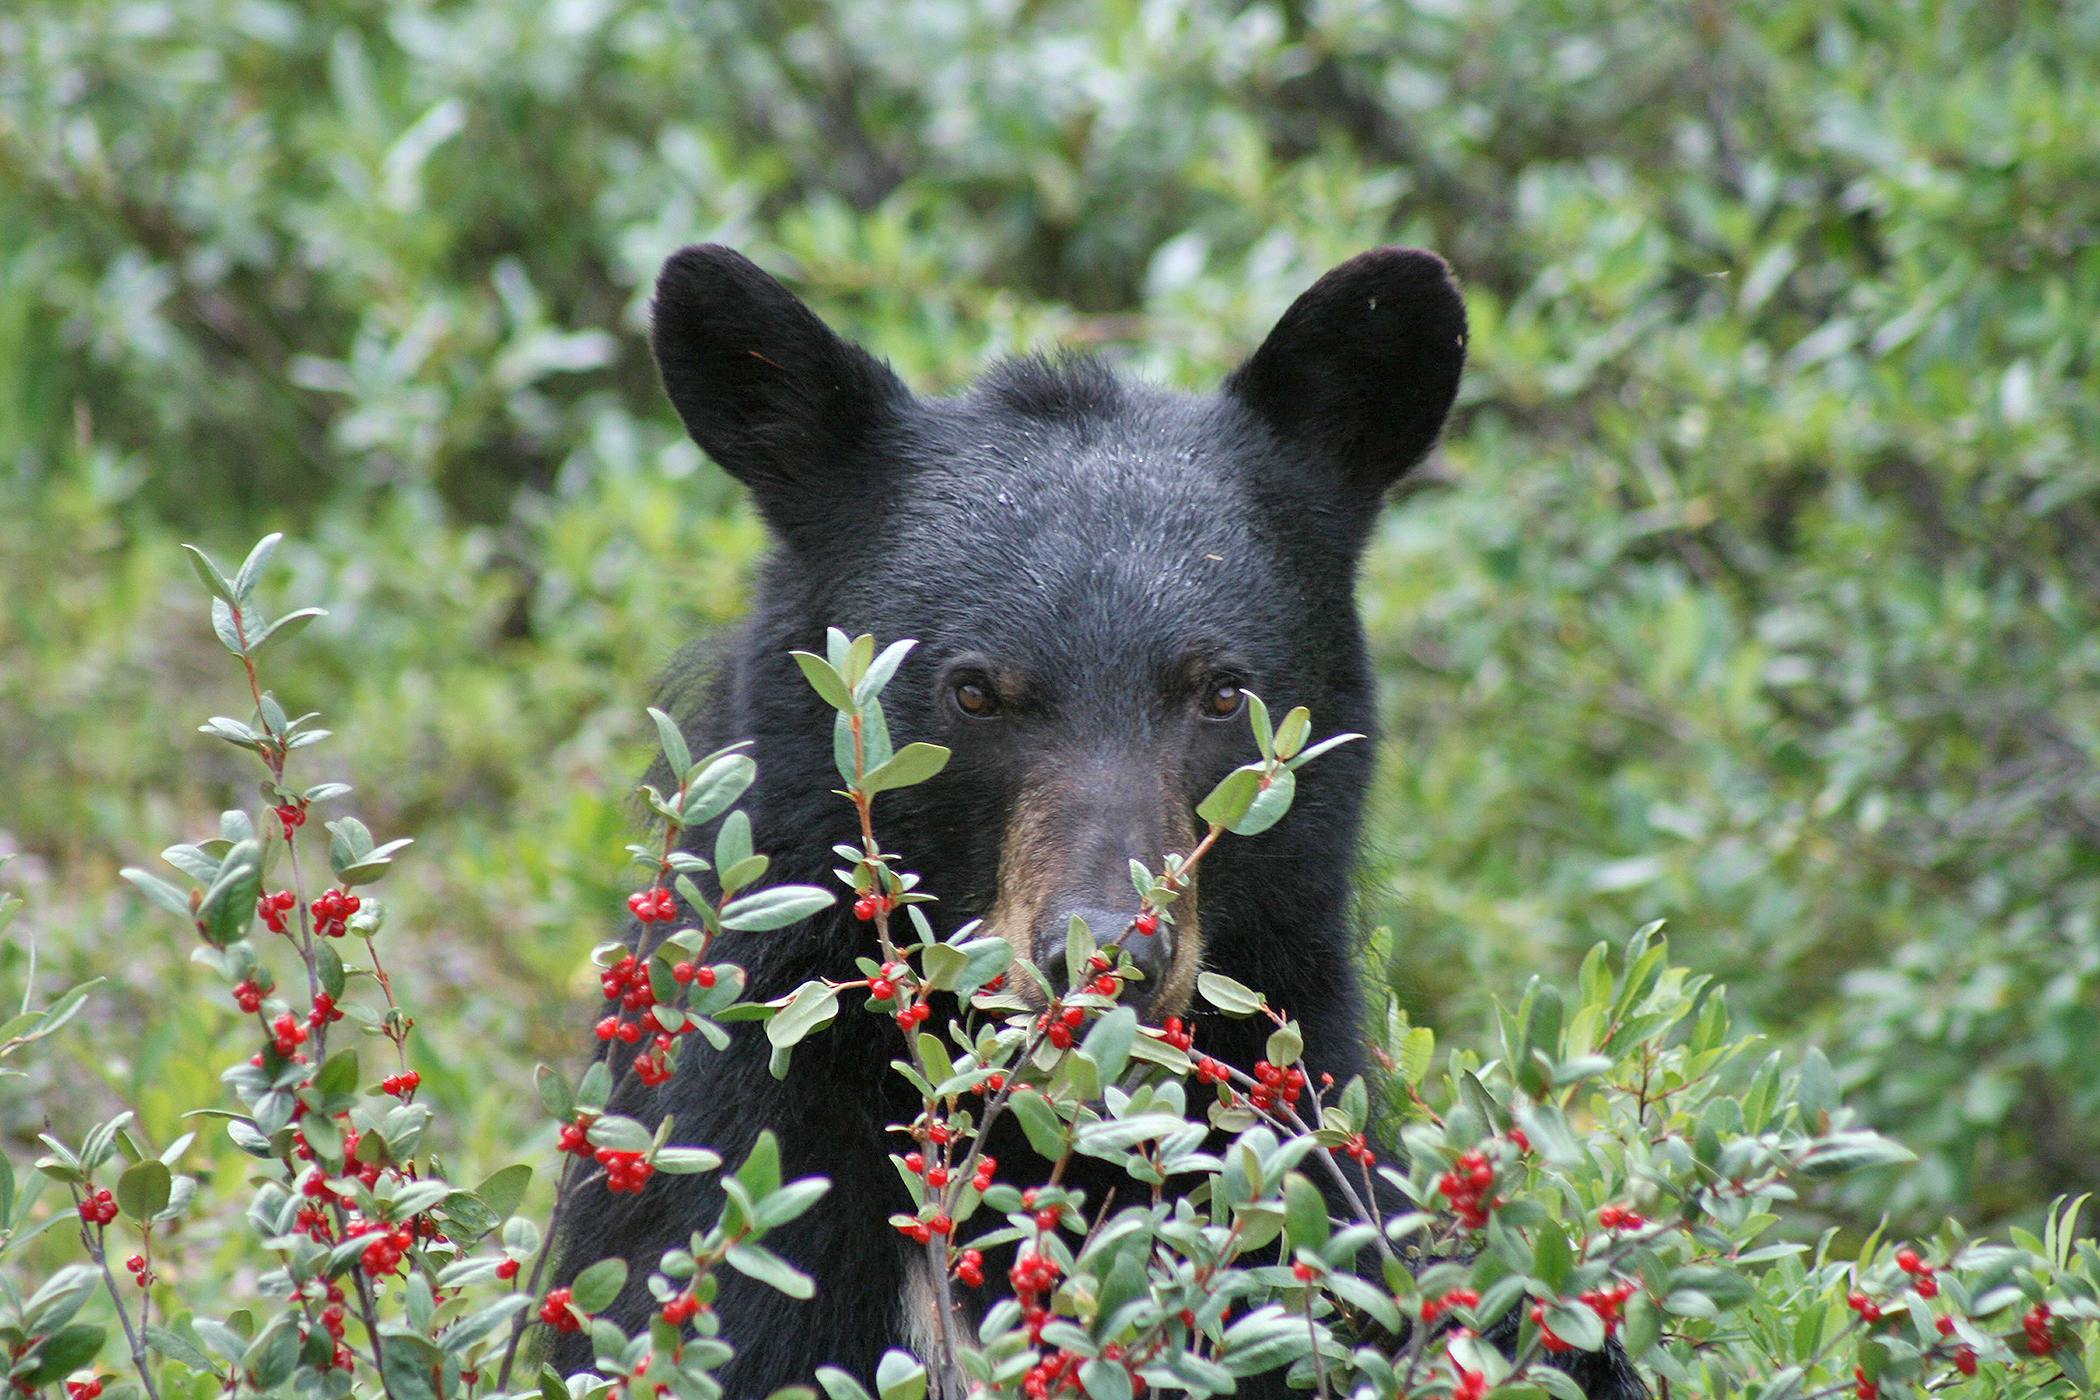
1362,368
781,401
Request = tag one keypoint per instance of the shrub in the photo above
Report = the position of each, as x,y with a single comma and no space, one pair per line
1619,1168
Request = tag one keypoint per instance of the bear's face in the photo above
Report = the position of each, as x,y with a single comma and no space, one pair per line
1096,572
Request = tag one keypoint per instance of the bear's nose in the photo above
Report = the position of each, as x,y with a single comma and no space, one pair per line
1151,952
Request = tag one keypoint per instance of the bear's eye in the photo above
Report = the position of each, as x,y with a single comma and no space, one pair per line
975,699
1224,698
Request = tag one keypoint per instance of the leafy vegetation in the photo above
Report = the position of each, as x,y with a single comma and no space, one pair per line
1755,586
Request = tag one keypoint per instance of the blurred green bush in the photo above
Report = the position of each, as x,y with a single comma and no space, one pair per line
1757,586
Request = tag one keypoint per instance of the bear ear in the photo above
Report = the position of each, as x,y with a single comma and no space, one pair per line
774,395
1362,368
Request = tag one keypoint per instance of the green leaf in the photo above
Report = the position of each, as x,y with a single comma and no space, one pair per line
228,624
1333,742
685,1161
1230,799
159,891
1108,1042
209,573
1305,1219
840,1385
1576,1323
1842,1153
1039,1121
715,787
284,628
621,1134
1229,996
68,1349
672,742
502,1190
757,1262
775,908
880,670
596,1287
827,682
1268,806
1417,1050
1293,732
812,1005
252,567
142,1191
555,1094
900,1376
1264,732
909,766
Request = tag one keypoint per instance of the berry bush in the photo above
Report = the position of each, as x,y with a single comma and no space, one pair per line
1622,1167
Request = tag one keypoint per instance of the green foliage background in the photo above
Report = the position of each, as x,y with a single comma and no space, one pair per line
1756,585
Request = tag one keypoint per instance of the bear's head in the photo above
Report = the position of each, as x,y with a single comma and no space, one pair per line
1096,572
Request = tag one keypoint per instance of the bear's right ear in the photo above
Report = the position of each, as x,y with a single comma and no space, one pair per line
774,395
1362,368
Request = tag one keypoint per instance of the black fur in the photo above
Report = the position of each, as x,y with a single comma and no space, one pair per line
1088,536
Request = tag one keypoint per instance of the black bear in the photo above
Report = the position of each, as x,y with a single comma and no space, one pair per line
1095,571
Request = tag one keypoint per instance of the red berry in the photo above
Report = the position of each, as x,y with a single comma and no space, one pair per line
1061,1035
864,908
629,1032
1303,1272
1908,1260
684,972
939,1134
705,977
607,1028
1965,1360
937,1177
1145,924
1928,1286
556,1314
507,1269
1047,1217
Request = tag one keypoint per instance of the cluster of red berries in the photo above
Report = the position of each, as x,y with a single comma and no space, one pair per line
2041,1339
626,1173
575,1137
1174,1033
1471,1384
1921,1273
1046,1217
680,1310
141,1271
1620,1218
247,996
991,1084
1049,1375
937,1176
1273,1083
1607,1302
1358,1149
324,1012
292,815
556,1313
655,905
1862,1387
970,1272
628,1032
920,1231
1061,1026
1032,1273
1434,1308
332,910
653,1066
1869,1310
271,908
401,1085
99,1208
286,1034
869,905
383,1254
84,1390
1466,1187
1964,1356
912,1015
627,982
883,985
1210,1071
695,974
